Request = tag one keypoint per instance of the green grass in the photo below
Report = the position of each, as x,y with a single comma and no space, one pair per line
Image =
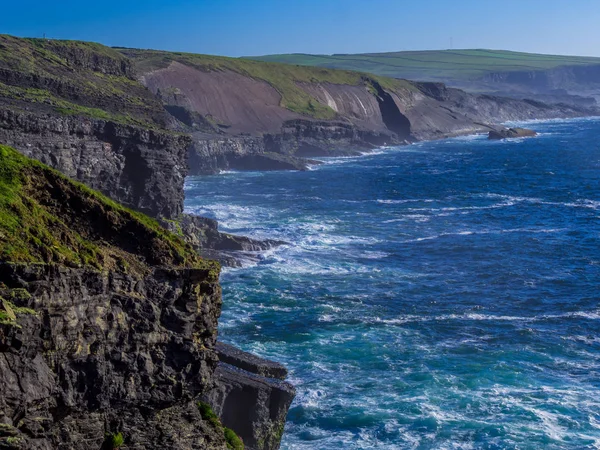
434,65
9,312
231,438
66,108
286,79
47,218
114,441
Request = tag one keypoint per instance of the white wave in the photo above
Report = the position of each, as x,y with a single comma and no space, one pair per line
402,201
483,232
591,315
551,121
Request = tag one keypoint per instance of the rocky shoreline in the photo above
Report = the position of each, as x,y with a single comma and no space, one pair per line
126,342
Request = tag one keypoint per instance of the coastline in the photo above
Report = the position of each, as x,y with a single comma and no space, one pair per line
255,316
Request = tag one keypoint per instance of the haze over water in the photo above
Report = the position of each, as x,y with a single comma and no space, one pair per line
439,295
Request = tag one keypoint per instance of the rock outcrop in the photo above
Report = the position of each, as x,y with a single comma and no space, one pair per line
510,133
78,107
141,168
251,397
203,234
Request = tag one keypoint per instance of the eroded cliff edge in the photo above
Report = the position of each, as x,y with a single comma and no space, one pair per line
108,323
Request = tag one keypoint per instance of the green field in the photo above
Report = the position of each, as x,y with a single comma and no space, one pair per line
434,65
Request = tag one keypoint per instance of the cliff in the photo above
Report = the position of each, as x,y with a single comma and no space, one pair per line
250,115
77,107
108,322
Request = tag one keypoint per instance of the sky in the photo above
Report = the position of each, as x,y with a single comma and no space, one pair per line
259,27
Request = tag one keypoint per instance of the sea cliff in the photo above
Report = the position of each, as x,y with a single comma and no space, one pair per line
108,320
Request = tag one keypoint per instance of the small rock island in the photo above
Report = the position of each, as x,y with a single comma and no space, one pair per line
510,133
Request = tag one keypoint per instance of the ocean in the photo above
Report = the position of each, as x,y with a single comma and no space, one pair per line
439,295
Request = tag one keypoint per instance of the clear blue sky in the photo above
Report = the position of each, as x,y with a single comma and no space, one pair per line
257,27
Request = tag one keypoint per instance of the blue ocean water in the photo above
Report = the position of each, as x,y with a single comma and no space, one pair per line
439,295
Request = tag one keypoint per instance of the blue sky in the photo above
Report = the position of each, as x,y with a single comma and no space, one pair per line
256,27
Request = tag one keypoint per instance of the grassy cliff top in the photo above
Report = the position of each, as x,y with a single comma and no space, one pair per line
435,64
47,218
285,78
74,78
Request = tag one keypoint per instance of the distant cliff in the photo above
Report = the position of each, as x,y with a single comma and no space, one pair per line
241,113
550,78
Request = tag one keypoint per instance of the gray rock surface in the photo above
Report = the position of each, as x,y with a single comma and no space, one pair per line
141,168
107,352
255,407
249,362
203,234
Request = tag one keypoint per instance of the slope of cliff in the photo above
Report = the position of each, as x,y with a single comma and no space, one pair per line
107,321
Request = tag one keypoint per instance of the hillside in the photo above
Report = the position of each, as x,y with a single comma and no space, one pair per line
47,218
286,79
479,70
76,79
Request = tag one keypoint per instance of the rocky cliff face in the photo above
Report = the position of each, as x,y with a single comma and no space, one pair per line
108,323
142,168
582,79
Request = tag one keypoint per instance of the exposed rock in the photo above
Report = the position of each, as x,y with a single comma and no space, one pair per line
203,234
253,406
108,322
269,161
142,168
249,362
510,133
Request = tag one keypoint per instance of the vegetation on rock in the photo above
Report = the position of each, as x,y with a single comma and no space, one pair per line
46,217
113,441
74,78
233,440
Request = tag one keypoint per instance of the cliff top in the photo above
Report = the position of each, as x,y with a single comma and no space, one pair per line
47,218
74,78
435,65
285,78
